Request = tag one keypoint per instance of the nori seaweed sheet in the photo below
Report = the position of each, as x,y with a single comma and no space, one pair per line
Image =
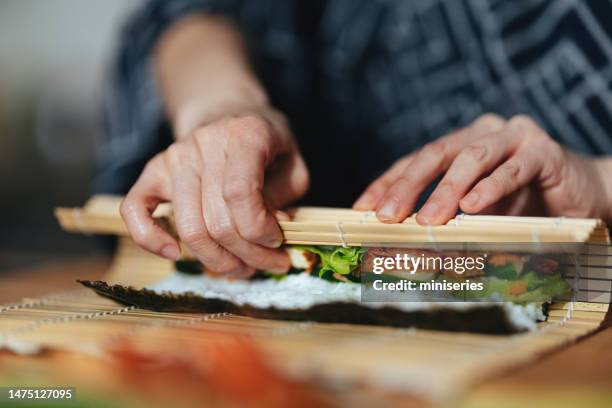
487,319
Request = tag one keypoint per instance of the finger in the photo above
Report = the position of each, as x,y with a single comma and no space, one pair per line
429,163
372,195
242,191
520,202
286,182
513,174
472,163
222,228
401,196
137,208
187,204
225,233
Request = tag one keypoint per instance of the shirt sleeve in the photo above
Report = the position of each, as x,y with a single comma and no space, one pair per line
135,126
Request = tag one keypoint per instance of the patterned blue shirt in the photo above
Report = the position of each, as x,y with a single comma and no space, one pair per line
364,82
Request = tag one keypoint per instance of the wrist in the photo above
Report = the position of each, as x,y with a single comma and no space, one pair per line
203,73
215,104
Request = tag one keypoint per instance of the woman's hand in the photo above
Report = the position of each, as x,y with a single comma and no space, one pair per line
224,182
234,162
492,166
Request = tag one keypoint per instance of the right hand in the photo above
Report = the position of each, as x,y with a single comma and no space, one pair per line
224,182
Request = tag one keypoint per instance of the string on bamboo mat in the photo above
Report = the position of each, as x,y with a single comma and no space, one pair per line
74,315
341,234
558,221
77,308
572,305
365,216
40,301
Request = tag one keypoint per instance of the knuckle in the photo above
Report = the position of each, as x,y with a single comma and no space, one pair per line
378,187
151,164
253,231
496,183
220,231
249,124
239,189
446,188
436,154
191,234
475,151
177,154
403,182
434,149
259,144
490,121
523,123
553,167
539,140
173,150
204,136
140,237
510,170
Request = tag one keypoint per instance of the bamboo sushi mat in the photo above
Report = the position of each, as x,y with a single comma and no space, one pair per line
430,364
434,365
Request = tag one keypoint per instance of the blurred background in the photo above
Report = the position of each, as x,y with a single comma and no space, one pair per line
54,57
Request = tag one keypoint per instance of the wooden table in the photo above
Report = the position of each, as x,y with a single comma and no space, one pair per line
578,376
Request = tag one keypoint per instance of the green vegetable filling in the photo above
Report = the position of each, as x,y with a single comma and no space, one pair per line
508,282
340,260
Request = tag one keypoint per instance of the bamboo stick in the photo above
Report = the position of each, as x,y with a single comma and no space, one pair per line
77,220
334,226
359,239
320,213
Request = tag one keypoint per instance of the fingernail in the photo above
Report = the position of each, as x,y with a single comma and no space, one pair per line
273,243
388,211
471,199
170,252
428,213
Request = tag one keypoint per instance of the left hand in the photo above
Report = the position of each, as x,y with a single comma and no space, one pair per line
510,167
